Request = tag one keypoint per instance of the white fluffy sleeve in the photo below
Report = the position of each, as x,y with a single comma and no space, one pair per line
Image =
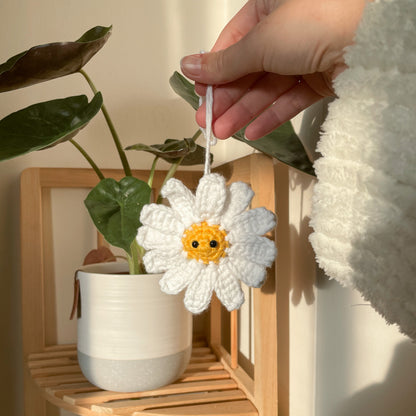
364,208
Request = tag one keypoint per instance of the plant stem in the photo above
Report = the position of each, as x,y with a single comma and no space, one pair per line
88,158
134,260
152,172
110,124
169,175
196,135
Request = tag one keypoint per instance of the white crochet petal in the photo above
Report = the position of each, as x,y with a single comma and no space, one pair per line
150,239
210,197
239,198
250,273
259,250
158,261
257,221
161,218
199,292
182,201
228,288
180,275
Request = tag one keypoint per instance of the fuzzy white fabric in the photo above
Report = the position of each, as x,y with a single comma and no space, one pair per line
364,207
214,204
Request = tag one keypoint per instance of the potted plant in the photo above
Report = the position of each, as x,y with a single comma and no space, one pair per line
115,210
131,336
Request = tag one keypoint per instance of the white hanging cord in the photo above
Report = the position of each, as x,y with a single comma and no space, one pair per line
210,140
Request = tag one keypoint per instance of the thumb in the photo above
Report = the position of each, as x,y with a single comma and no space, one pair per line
230,64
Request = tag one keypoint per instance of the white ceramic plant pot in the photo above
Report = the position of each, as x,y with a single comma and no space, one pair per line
131,335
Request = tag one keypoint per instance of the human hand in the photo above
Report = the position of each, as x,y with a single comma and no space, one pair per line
273,60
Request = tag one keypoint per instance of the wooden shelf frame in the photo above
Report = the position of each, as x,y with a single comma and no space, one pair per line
223,388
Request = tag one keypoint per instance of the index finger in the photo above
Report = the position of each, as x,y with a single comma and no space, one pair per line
238,26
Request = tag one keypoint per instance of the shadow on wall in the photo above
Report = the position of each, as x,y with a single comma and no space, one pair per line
302,256
303,272
395,396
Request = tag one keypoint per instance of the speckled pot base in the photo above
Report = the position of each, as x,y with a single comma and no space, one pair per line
133,375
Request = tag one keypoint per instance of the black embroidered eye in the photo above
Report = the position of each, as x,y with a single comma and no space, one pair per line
195,244
213,243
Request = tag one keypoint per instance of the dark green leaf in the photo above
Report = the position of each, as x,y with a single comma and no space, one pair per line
45,124
96,33
197,157
282,144
170,149
184,89
115,209
173,150
53,60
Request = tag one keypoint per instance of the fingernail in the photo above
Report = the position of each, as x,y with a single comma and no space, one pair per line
191,65
249,139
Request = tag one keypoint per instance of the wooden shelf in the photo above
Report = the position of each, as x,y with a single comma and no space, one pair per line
206,388
211,385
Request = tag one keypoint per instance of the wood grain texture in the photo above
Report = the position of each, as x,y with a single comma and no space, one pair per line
234,338
33,324
237,408
265,307
129,406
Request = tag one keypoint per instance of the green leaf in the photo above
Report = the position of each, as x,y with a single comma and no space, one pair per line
45,124
197,157
170,149
53,60
184,89
282,143
115,209
173,150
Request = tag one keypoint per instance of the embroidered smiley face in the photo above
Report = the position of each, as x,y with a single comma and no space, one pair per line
206,243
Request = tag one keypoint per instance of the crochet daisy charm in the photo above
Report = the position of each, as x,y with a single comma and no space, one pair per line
207,241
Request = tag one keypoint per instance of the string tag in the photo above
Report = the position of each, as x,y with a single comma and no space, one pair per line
210,139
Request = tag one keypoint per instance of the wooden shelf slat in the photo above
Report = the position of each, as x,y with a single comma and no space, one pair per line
53,354
50,381
52,362
176,388
203,358
129,406
201,351
56,370
216,365
71,388
61,347
237,408
204,375
206,388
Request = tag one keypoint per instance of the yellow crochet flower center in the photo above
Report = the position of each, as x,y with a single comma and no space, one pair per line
205,242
